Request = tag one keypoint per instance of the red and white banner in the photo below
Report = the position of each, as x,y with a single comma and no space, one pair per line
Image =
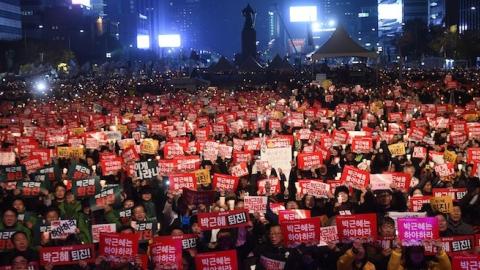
255,204
219,220
182,180
362,144
102,228
307,161
384,181
416,203
470,262
274,186
315,188
456,193
473,155
240,170
328,234
411,231
111,166
455,245
355,178
301,231
118,247
357,226
293,214
217,260
166,253
419,152
224,182
445,170
67,255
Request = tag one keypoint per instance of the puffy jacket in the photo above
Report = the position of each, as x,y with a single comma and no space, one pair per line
345,262
442,264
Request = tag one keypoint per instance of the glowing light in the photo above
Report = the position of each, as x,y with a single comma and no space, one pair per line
169,41
143,41
331,23
303,14
41,86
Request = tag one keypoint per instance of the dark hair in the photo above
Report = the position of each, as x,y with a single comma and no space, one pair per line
408,262
10,208
17,233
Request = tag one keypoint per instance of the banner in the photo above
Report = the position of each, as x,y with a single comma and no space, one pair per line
102,228
13,173
470,262
354,177
86,187
455,193
107,196
274,186
146,169
455,245
240,170
278,157
411,231
271,264
328,234
78,171
179,181
32,163
416,203
384,181
111,166
118,247
6,243
224,182
255,204
217,260
307,161
397,149
445,170
67,255
149,147
145,230
166,253
419,152
7,158
473,154
360,226
219,220
362,145
443,204
61,229
293,214
203,177
130,155
315,188
30,188
301,231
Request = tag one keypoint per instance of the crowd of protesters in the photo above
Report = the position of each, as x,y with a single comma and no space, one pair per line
163,169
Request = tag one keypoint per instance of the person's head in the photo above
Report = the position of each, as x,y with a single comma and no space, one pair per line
275,235
410,169
417,192
309,201
341,194
69,197
194,225
20,241
292,205
384,197
126,229
176,232
442,222
128,203
146,192
138,213
19,262
52,214
19,205
9,217
386,227
427,187
456,214
90,161
59,191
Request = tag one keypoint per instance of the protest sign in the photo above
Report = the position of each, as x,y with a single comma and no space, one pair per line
182,180
111,166
466,262
67,255
206,197
278,157
359,226
419,152
219,220
293,214
315,188
301,231
362,144
78,171
217,260
224,182
411,231
145,229
274,184
61,229
307,161
384,181
255,204
454,245
13,173
102,228
146,169
354,177
455,193
240,170
445,170
442,204
118,247
328,234
416,203
203,177
166,253
397,149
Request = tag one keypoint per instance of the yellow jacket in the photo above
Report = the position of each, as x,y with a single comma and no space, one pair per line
443,262
346,260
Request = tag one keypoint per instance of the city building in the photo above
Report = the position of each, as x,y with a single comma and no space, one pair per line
10,20
436,12
416,9
469,16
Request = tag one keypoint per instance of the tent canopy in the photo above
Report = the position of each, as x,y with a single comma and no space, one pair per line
250,65
340,44
223,65
279,64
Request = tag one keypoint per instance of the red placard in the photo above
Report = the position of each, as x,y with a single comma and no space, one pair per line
455,193
182,180
239,170
471,262
32,163
315,188
118,247
401,180
419,152
166,252
217,260
301,231
239,157
224,182
67,255
293,214
473,154
274,186
354,177
219,220
111,166
417,134
307,161
171,150
339,137
452,245
130,154
411,231
328,234
416,203
445,170
357,226
362,144
255,204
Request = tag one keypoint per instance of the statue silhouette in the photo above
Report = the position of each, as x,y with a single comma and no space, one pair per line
249,35
249,15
